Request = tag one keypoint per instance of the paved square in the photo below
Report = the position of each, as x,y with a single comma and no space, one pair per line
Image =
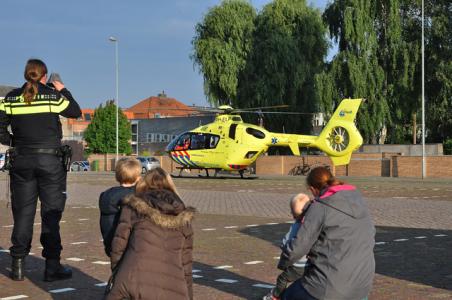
237,230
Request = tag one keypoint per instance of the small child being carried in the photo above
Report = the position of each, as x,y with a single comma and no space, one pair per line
128,173
298,206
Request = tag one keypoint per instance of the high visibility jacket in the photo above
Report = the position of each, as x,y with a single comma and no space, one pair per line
36,124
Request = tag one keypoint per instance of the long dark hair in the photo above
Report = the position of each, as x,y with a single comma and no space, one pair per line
321,178
34,71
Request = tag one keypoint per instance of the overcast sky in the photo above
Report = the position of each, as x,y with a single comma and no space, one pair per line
72,38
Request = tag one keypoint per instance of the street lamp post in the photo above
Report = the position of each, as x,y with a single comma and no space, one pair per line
424,169
115,40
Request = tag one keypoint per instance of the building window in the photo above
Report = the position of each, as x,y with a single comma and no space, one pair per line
134,128
87,117
159,137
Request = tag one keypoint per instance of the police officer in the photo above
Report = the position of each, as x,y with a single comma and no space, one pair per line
37,170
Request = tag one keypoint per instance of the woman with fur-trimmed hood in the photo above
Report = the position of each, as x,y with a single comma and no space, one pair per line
151,255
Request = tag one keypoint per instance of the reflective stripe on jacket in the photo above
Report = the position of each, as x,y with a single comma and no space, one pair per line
36,124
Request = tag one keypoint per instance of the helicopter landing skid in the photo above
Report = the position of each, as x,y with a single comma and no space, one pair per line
215,175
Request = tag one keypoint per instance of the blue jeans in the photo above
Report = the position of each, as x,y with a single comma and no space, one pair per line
296,291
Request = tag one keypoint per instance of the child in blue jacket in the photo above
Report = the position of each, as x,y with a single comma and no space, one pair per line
128,173
298,206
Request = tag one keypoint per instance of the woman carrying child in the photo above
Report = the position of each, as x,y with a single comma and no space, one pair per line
151,253
338,236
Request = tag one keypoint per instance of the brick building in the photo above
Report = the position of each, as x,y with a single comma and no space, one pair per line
73,129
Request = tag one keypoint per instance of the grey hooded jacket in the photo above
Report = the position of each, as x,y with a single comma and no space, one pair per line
338,236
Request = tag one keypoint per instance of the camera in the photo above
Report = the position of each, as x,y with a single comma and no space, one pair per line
53,77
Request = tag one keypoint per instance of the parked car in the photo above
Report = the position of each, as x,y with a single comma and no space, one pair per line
148,163
2,160
77,166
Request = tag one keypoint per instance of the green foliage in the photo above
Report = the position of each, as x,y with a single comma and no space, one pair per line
355,71
447,147
438,69
386,35
406,96
276,57
221,46
289,45
101,132
399,56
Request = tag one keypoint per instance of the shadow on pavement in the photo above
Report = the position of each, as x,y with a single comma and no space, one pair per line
242,288
423,256
83,284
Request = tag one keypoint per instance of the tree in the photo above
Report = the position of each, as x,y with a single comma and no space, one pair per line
221,46
438,69
399,56
289,45
395,25
101,132
355,71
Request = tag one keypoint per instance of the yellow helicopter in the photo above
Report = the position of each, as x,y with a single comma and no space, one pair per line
232,145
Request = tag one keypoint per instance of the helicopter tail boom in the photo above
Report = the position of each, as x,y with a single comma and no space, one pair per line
338,139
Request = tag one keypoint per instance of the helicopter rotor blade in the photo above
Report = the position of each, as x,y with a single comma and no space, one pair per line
190,108
274,112
263,107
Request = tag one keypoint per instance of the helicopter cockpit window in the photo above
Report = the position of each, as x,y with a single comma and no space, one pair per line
183,142
198,141
204,141
194,141
256,133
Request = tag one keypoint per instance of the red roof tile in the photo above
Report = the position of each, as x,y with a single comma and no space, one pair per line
166,107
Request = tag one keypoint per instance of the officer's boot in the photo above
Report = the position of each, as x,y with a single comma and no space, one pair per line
56,271
17,268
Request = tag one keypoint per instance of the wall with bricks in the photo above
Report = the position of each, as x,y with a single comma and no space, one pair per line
385,165
411,166
107,162
361,165
409,150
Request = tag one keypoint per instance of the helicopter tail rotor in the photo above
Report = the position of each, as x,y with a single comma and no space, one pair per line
340,137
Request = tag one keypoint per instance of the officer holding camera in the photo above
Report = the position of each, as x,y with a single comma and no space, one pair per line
37,169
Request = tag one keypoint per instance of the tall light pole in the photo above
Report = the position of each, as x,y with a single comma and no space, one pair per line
115,40
424,171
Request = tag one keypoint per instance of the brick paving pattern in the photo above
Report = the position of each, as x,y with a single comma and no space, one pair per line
239,226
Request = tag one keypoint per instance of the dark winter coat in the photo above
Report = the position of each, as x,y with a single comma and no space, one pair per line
152,248
110,210
338,236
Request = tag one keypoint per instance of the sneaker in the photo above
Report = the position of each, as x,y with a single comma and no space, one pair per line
270,296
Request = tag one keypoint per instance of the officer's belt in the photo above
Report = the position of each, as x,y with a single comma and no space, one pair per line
26,151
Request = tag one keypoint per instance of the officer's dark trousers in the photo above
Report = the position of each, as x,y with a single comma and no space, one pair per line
33,176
